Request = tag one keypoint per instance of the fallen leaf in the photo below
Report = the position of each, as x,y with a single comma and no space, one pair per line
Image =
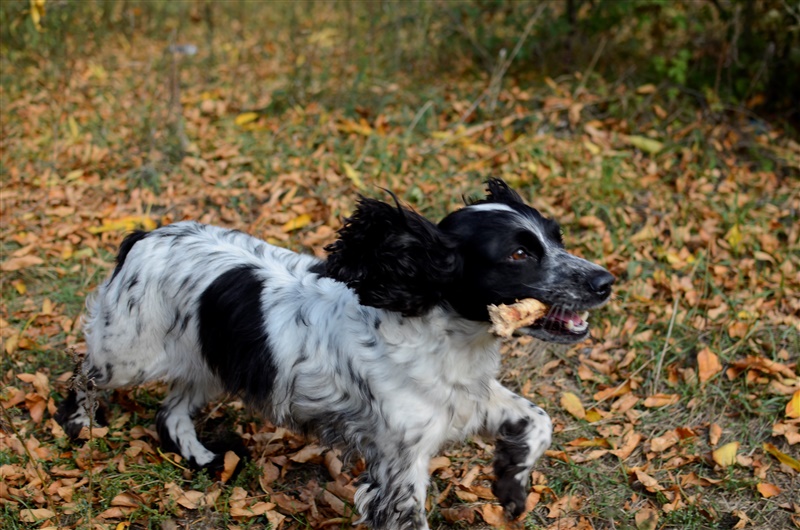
646,519
245,117
793,406
353,175
22,262
572,404
648,145
647,481
493,515
725,456
708,365
782,457
297,223
230,461
661,400
29,515
714,434
768,490
664,442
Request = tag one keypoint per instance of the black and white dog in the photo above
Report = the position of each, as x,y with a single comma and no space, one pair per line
383,349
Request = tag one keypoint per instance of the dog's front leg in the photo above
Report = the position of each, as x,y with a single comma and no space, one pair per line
393,490
523,432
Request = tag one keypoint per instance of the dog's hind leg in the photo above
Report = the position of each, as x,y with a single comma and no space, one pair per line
175,425
523,433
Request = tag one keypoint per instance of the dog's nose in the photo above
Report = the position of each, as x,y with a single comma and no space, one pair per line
601,282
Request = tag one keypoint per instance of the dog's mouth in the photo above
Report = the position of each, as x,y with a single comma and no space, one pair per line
559,325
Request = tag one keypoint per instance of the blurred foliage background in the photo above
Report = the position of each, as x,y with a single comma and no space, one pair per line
724,55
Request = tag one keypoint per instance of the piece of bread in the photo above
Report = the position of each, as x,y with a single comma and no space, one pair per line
508,318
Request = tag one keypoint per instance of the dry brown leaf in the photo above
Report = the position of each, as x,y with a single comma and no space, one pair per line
646,519
647,481
708,365
32,515
629,443
665,441
307,453
22,262
289,504
661,400
768,490
493,515
437,463
459,513
714,434
230,461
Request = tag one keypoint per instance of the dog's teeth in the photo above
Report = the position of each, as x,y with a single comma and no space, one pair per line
584,315
569,325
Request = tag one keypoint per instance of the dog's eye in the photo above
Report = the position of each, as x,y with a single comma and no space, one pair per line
519,254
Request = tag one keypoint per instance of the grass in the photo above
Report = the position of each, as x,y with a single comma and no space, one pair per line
90,136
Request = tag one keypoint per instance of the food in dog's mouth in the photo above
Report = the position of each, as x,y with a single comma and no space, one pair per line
531,313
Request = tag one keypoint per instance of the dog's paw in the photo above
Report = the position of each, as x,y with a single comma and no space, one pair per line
512,496
220,448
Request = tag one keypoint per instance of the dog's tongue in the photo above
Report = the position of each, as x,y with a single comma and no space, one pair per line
569,319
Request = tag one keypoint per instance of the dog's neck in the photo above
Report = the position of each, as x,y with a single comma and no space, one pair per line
441,346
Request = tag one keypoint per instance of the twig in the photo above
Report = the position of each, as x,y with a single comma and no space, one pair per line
592,64
417,117
660,364
501,69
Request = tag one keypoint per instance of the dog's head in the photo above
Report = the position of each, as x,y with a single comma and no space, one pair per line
493,251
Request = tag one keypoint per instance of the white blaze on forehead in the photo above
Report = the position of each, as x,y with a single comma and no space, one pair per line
491,206
521,220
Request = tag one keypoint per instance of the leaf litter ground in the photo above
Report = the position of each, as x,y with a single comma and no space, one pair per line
682,411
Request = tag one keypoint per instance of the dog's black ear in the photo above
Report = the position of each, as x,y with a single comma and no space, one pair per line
498,191
393,258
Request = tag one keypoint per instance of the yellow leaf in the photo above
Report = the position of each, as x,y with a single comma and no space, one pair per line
768,490
73,127
19,285
725,456
349,126
353,175
124,525
648,145
782,457
75,174
572,404
297,223
592,415
125,224
734,237
591,147
37,13
245,117
647,233
47,307
792,408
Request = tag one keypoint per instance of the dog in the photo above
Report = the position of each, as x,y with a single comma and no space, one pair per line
383,348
